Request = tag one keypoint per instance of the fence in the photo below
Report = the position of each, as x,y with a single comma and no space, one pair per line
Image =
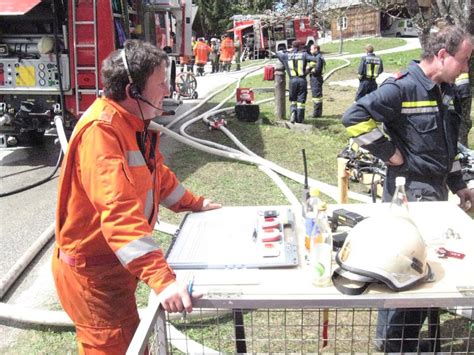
298,331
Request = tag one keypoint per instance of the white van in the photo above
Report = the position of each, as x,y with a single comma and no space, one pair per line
401,28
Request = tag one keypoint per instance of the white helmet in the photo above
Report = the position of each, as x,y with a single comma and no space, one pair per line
387,249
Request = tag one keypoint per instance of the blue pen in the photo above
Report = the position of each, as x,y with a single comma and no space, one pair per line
190,291
190,286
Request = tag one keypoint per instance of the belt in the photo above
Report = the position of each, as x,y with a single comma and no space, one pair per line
80,260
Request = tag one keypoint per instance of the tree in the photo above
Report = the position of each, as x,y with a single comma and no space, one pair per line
213,17
427,13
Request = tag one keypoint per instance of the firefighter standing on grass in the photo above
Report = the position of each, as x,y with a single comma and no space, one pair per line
370,67
296,63
112,182
316,80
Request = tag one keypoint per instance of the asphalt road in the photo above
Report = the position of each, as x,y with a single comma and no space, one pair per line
25,215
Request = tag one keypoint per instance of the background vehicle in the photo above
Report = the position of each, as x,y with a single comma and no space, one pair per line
401,28
51,52
260,38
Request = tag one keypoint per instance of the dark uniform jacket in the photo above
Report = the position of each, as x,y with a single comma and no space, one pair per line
370,67
463,86
295,62
420,119
317,65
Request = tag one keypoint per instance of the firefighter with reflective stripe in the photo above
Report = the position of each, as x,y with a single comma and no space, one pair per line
112,182
463,89
227,52
418,110
370,67
296,65
316,80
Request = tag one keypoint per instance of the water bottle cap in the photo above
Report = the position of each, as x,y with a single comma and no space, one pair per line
314,192
400,180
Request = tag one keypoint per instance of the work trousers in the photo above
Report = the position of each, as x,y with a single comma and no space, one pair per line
225,66
398,329
214,58
466,120
316,82
101,302
298,94
366,86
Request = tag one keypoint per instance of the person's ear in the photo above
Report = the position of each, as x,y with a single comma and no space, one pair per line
442,54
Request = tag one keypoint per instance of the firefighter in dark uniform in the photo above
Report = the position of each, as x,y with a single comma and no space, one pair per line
316,80
295,63
418,114
463,89
370,68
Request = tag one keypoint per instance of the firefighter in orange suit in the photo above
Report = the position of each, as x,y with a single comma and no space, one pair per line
201,53
227,52
112,182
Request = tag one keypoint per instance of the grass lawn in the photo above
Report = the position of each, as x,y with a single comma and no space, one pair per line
233,183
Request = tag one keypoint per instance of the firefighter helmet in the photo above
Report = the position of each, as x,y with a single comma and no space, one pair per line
388,249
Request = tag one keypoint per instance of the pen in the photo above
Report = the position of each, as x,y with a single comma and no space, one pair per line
190,286
190,291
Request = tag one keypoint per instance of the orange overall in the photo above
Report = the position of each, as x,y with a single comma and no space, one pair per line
201,51
111,183
227,50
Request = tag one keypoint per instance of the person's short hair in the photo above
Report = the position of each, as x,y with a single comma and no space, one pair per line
369,48
142,59
449,38
297,44
315,47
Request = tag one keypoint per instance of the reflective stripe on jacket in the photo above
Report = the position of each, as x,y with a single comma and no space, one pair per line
317,66
295,62
109,193
463,87
370,67
421,121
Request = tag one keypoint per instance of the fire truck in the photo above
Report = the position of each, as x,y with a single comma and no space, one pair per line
51,52
261,38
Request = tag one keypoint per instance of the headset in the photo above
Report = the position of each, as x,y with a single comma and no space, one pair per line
134,91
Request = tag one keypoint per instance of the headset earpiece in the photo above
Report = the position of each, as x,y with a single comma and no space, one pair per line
133,90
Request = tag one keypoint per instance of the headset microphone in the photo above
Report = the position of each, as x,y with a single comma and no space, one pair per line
141,98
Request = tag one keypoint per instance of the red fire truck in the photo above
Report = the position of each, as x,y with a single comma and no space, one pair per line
51,52
261,39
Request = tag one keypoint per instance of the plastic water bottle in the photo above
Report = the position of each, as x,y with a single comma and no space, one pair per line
399,204
321,250
310,214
